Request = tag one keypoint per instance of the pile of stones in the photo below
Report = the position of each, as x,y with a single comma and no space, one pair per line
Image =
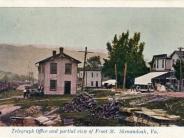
82,102
33,110
85,102
109,110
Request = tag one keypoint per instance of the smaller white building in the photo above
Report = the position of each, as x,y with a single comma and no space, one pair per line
93,78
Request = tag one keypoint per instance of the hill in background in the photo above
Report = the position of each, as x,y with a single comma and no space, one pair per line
21,59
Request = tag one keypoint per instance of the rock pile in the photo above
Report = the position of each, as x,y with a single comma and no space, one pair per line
85,102
108,110
82,102
32,111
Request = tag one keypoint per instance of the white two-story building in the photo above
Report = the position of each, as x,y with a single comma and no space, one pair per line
162,71
161,63
93,78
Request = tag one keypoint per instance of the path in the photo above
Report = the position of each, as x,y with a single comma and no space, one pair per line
170,94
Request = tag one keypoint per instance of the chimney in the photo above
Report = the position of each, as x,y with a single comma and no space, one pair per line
61,50
54,52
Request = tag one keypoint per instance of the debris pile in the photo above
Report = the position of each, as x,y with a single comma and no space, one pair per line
82,102
29,121
52,120
85,102
149,99
33,110
108,110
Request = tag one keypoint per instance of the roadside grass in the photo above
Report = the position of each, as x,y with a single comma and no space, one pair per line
101,93
84,119
172,106
9,101
10,93
45,101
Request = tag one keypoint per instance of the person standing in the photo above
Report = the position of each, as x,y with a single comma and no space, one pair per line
25,92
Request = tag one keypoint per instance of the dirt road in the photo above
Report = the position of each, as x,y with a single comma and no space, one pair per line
171,94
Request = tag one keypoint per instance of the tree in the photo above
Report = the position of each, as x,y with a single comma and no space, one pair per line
177,69
94,62
125,50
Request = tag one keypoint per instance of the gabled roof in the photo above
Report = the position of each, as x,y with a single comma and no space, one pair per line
63,55
179,53
161,56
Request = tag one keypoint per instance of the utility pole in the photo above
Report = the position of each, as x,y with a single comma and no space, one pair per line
30,74
180,83
84,67
115,71
124,75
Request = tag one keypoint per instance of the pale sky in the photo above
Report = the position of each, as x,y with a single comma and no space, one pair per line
162,29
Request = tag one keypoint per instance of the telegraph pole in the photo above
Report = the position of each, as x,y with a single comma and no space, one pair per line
180,83
115,71
124,75
84,67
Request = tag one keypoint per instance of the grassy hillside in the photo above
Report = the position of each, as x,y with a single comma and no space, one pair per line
22,59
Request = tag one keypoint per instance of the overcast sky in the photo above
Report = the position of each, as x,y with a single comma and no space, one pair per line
162,29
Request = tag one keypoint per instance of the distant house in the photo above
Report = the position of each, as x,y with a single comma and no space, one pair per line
176,55
162,71
93,77
58,74
161,63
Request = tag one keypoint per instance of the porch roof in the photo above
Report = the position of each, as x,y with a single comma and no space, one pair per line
146,79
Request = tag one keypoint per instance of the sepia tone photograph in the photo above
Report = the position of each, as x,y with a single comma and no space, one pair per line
92,66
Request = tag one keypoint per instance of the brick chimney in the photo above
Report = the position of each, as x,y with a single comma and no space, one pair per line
54,52
61,50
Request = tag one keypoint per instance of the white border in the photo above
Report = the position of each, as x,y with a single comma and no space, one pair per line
91,3
5,132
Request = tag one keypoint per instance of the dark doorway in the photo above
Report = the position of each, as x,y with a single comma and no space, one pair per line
96,83
67,87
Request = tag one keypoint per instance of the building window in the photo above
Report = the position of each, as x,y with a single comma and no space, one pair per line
92,74
157,63
39,69
154,65
174,61
92,83
96,74
68,68
96,83
162,63
53,85
81,74
42,69
53,68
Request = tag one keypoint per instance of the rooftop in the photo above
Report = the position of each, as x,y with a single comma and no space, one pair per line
61,54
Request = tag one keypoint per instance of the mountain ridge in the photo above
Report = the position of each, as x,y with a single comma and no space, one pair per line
21,59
